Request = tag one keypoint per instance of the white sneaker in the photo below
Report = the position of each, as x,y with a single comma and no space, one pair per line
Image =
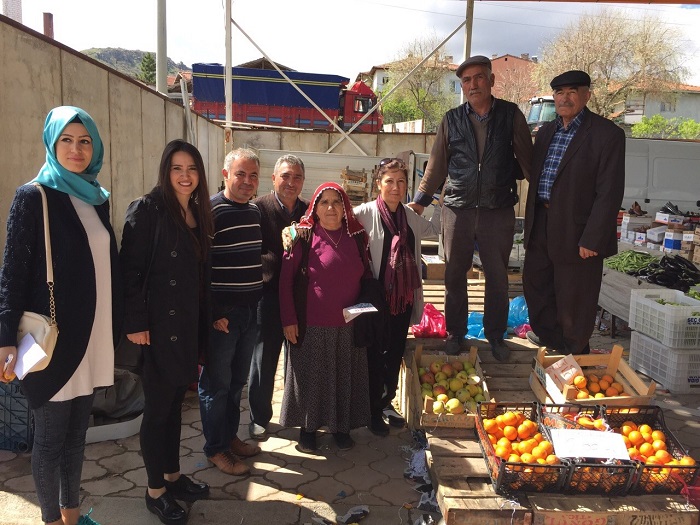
257,432
395,419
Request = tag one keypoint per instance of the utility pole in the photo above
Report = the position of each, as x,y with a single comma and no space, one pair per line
161,49
228,95
467,39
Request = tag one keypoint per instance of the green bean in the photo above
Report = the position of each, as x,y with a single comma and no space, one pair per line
629,261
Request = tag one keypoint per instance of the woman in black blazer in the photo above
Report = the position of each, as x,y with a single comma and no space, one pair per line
165,266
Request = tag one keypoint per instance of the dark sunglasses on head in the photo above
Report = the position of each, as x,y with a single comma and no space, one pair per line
388,160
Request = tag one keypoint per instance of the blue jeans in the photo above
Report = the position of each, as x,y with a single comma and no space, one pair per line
57,456
224,376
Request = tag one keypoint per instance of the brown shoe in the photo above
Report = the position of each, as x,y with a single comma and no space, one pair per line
229,464
242,449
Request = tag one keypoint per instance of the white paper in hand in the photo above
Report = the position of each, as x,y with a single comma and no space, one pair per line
29,354
351,312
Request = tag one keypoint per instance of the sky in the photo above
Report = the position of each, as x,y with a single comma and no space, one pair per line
333,36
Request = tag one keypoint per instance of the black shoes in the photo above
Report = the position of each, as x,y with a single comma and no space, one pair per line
343,440
166,508
307,442
395,419
499,350
185,489
378,427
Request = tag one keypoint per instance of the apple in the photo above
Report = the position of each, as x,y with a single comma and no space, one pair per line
457,366
427,377
455,384
470,405
439,389
474,380
426,386
447,369
435,366
454,406
479,397
443,398
438,407
473,390
444,383
463,395
422,371
469,369
426,393
462,376
440,376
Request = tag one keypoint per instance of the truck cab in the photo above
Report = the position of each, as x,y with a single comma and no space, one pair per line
355,103
541,110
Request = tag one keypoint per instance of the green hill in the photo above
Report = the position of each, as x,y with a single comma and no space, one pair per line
128,61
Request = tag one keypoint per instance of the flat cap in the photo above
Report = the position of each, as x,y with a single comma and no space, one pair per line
573,78
476,60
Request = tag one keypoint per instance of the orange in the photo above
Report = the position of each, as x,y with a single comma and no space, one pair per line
524,431
499,421
526,446
526,458
608,378
540,461
633,452
580,382
631,424
538,437
592,378
599,395
646,449
658,444
600,424
514,458
502,452
593,388
547,446
627,441
582,394
510,419
612,392
493,439
636,437
490,425
539,453
552,460
687,460
658,434
604,385
515,446
510,433
505,442
585,421
664,456
618,387
645,429
647,437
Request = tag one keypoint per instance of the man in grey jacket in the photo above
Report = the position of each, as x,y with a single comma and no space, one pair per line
481,149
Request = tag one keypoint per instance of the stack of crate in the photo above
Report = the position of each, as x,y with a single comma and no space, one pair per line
666,342
355,185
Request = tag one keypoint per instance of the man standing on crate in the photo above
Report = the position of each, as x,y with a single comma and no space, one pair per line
482,148
577,184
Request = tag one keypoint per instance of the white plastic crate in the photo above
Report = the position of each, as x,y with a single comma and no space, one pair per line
675,326
677,369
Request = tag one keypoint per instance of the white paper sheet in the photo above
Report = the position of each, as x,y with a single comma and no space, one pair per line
351,312
29,354
571,443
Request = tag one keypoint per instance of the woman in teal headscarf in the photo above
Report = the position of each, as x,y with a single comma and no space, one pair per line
85,267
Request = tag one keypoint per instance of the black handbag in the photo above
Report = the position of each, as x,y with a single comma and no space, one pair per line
127,355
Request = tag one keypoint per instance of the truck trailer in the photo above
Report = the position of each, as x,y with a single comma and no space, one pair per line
263,97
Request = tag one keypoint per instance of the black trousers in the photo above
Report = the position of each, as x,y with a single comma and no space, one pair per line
160,427
562,298
385,363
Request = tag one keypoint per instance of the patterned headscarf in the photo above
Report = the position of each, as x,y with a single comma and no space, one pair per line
52,175
353,225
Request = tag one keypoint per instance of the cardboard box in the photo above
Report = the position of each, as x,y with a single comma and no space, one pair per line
653,246
672,240
688,237
434,267
696,257
546,390
656,234
667,218
640,238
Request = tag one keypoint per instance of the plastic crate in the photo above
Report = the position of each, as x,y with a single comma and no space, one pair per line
655,479
511,477
612,477
16,424
675,326
677,369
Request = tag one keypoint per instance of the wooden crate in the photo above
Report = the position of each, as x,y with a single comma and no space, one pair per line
418,411
612,364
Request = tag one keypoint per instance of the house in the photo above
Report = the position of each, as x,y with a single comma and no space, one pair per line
513,78
684,103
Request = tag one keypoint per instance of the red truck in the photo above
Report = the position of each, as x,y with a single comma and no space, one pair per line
264,97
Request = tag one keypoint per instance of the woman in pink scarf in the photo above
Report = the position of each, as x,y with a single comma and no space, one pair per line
326,381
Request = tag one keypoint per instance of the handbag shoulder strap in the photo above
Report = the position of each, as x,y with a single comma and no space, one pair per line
47,247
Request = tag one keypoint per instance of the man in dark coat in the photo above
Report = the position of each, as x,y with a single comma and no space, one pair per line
576,188
277,211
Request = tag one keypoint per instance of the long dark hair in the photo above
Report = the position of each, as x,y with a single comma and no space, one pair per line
199,200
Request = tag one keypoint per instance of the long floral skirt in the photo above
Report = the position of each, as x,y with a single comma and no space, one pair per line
326,382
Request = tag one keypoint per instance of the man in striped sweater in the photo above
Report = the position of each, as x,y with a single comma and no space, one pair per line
236,287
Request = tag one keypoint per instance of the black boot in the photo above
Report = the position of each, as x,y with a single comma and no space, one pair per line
307,442
166,508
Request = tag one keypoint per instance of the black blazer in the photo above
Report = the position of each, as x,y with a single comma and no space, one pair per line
175,304
23,283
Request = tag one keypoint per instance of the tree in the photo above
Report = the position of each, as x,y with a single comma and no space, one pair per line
424,94
657,127
148,69
516,85
622,57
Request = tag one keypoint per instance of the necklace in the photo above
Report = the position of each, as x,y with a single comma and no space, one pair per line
331,238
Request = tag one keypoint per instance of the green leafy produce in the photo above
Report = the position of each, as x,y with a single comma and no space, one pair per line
629,261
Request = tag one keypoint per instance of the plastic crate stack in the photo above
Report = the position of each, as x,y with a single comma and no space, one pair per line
16,425
666,342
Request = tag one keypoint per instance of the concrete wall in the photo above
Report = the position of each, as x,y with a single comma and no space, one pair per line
134,122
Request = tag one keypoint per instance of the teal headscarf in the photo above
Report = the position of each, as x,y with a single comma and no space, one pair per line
52,175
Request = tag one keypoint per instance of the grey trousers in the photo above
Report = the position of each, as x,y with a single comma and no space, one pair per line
492,231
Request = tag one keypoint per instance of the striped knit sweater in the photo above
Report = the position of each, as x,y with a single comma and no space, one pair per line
236,276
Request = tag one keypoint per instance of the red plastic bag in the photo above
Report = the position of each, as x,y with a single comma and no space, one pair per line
522,330
432,324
